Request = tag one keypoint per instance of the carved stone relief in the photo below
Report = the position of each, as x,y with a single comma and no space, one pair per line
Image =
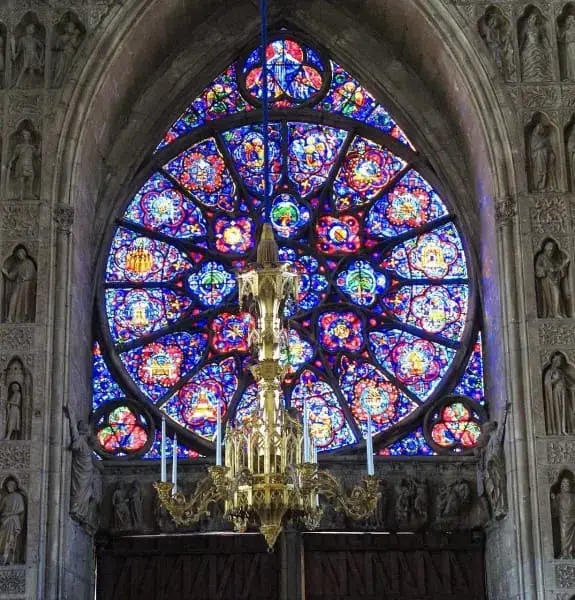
542,144
552,334
16,401
3,48
12,519
566,42
558,389
570,151
553,291
560,453
534,46
491,474
550,215
12,581
562,494
24,162
411,504
19,279
68,35
454,502
29,52
495,30
127,505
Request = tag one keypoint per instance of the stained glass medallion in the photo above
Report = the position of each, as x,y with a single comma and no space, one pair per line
385,312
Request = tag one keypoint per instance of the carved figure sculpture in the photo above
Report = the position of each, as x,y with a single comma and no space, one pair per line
12,512
454,500
28,56
534,48
66,46
136,505
82,495
552,282
559,388
2,57
14,412
22,164
19,287
542,158
570,137
566,38
496,32
120,503
565,509
411,503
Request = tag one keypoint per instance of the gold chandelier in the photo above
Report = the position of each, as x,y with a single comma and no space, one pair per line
270,470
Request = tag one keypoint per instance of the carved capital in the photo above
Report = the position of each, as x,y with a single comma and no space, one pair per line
506,211
13,581
63,218
565,575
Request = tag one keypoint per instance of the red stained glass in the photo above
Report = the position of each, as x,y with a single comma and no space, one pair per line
338,235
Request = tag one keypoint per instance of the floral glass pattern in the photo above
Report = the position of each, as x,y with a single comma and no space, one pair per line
385,315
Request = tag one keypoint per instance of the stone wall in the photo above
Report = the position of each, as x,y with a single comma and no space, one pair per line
88,86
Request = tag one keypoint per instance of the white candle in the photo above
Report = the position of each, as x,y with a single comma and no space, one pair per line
163,476
219,434
305,432
175,464
314,452
369,446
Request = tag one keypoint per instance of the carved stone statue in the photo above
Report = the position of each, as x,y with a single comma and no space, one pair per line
120,504
552,282
454,500
534,48
22,165
15,400
28,57
136,505
559,388
12,513
2,57
564,502
82,493
491,477
496,32
69,38
542,158
566,38
19,287
14,412
570,146
411,503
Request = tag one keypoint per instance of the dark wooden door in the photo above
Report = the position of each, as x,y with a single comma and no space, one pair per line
394,567
198,567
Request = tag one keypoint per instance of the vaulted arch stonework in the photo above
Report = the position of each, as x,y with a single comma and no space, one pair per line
421,183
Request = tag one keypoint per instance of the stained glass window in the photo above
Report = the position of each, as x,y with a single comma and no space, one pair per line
386,313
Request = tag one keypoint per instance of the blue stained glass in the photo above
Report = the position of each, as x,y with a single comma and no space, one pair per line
361,283
288,215
134,313
418,364
471,382
154,453
295,352
220,99
313,150
313,285
195,405
328,427
411,203
202,171
246,147
434,255
246,405
211,284
136,258
104,386
413,444
159,206
159,365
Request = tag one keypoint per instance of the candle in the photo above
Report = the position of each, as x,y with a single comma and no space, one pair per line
219,434
314,452
369,446
163,476
305,432
175,464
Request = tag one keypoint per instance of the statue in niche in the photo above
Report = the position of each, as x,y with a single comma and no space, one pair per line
82,497
553,292
559,388
22,164
19,275
69,36
2,55
411,503
542,158
12,514
496,32
28,57
564,508
16,399
136,505
534,48
566,38
491,478
570,145
120,504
